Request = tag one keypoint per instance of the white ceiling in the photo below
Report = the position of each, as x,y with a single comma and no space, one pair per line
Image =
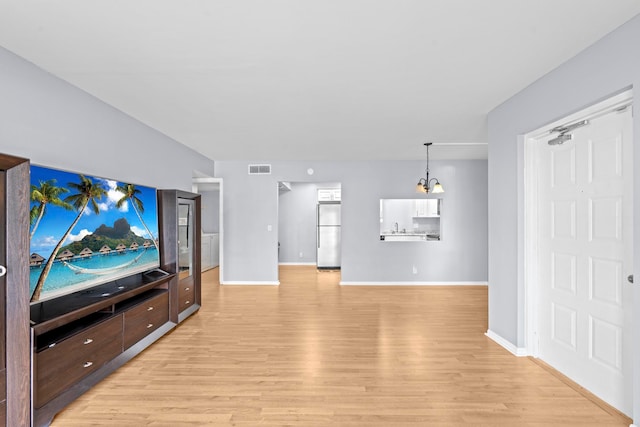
316,79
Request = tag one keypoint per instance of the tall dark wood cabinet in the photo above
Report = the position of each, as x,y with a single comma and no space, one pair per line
15,350
180,212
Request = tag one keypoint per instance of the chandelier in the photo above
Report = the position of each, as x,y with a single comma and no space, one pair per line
424,184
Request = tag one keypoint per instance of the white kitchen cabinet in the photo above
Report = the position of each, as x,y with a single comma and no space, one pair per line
329,195
210,251
215,249
426,208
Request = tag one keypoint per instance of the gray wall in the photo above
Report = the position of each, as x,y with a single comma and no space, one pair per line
58,125
251,206
604,69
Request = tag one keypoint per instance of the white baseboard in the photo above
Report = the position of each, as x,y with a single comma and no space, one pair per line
413,283
297,263
516,351
249,283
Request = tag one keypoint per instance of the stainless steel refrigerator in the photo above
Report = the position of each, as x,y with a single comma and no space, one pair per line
328,235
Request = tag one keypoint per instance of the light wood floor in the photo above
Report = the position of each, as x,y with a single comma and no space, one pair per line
312,353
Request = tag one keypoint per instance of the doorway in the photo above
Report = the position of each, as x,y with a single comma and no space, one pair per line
579,248
299,231
211,192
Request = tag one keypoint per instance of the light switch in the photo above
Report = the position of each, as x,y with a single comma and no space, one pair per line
269,227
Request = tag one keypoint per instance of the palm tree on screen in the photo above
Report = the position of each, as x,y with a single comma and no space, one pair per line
85,196
47,193
130,192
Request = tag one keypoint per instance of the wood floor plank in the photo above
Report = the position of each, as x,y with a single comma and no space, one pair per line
312,353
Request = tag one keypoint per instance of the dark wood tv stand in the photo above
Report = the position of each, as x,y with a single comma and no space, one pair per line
80,338
54,351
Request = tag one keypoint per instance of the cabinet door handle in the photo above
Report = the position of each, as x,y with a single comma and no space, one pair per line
186,289
186,302
87,364
88,341
52,345
150,308
3,270
150,325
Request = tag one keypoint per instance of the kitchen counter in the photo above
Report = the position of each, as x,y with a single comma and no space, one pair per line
408,237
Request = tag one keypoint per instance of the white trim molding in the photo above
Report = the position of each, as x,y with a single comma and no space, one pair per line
413,283
516,351
249,283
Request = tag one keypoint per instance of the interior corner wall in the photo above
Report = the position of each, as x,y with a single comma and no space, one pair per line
297,224
606,68
55,124
251,220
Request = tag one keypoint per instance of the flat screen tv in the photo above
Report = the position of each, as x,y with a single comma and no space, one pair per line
86,231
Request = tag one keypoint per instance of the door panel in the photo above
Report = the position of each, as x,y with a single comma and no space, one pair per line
585,255
564,328
605,281
605,343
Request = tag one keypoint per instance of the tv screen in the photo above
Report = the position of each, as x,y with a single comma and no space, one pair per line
86,231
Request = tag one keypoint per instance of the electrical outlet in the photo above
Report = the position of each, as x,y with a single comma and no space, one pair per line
415,270
301,255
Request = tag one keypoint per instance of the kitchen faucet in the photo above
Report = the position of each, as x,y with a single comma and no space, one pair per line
397,231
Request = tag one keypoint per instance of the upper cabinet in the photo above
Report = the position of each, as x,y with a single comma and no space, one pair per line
426,208
329,194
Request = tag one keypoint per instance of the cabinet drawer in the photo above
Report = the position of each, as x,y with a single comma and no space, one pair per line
66,362
145,318
186,295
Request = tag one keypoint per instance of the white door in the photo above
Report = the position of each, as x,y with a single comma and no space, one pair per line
585,255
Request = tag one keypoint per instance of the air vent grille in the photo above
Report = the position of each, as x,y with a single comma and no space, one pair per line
259,169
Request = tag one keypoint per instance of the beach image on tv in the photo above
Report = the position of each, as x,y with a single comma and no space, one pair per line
87,231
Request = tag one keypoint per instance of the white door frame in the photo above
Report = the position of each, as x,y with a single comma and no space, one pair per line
209,180
531,289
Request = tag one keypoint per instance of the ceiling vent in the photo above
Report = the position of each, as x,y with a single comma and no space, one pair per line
259,169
